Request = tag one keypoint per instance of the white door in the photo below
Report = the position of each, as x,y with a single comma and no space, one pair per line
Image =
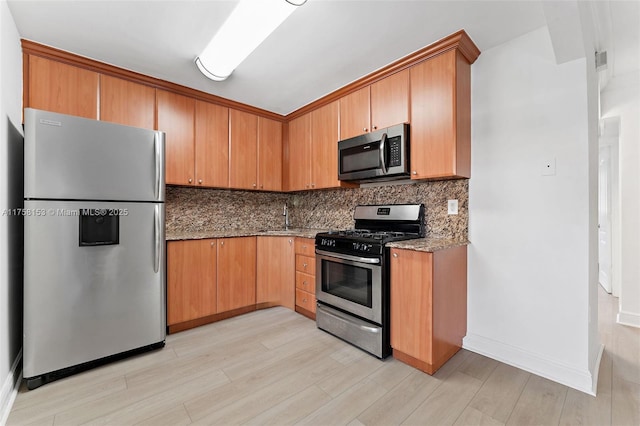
604,218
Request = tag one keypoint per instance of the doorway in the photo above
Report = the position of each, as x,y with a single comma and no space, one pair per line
608,202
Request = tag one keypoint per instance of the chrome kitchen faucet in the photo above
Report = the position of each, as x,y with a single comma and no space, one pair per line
285,213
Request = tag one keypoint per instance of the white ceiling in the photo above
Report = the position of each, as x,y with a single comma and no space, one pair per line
323,46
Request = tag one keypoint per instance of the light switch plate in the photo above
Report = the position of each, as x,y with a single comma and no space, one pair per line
452,207
548,166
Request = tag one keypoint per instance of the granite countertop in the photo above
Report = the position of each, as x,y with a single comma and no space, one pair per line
429,244
228,233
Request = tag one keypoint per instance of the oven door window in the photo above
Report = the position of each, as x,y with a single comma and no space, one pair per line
347,282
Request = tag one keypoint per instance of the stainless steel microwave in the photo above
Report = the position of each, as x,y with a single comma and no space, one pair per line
375,156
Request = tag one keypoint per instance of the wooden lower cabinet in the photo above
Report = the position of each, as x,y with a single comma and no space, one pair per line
275,271
236,273
209,280
213,279
305,277
428,306
191,280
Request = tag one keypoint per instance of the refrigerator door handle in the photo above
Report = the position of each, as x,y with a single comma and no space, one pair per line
156,146
157,232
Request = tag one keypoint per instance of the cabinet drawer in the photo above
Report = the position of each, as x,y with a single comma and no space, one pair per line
306,300
306,246
306,282
306,264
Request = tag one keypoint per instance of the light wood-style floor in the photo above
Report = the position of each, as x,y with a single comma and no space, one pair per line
275,367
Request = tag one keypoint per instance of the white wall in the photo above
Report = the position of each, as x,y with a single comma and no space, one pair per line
10,285
531,258
621,98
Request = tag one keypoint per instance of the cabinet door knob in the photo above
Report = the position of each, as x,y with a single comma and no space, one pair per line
364,129
313,185
199,180
304,300
290,242
304,247
221,243
304,265
307,185
375,127
304,283
254,185
395,254
213,243
261,186
414,172
190,180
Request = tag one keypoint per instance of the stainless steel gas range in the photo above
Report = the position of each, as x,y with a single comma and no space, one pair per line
352,274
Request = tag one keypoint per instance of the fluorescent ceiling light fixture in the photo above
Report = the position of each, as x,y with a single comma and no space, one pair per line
249,24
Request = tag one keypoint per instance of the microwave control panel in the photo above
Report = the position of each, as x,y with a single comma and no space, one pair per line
394,152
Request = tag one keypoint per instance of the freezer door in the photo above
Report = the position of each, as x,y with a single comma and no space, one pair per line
73,158
94,283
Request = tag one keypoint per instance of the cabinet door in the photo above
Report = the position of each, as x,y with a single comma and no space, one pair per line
176,115
191,280
354,114
126,102
269,154
236,273
411,301
275,271
300,153
324,146
243,150
390,100
57,87
441,117
212,145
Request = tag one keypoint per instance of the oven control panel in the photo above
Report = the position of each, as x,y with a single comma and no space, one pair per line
348,246
362,247
327,242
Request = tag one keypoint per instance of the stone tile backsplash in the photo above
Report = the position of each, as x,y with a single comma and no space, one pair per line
196,209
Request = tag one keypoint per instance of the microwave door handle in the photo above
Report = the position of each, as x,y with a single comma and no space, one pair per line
383,160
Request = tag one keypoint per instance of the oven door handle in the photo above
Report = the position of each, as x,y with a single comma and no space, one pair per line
369,260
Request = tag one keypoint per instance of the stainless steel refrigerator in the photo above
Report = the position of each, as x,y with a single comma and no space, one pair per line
94,243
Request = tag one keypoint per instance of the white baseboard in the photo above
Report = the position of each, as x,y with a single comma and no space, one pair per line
628,318
9,389
596,370
537,364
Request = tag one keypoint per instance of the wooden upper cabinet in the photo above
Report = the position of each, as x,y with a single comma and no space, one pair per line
236,273
390,100
57,87
211,145
354,114
324,146
126,102
191,280
441,117
244,150
276,271
300,153
269,154
176,114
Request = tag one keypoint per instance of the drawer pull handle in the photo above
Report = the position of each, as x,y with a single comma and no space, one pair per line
395,254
